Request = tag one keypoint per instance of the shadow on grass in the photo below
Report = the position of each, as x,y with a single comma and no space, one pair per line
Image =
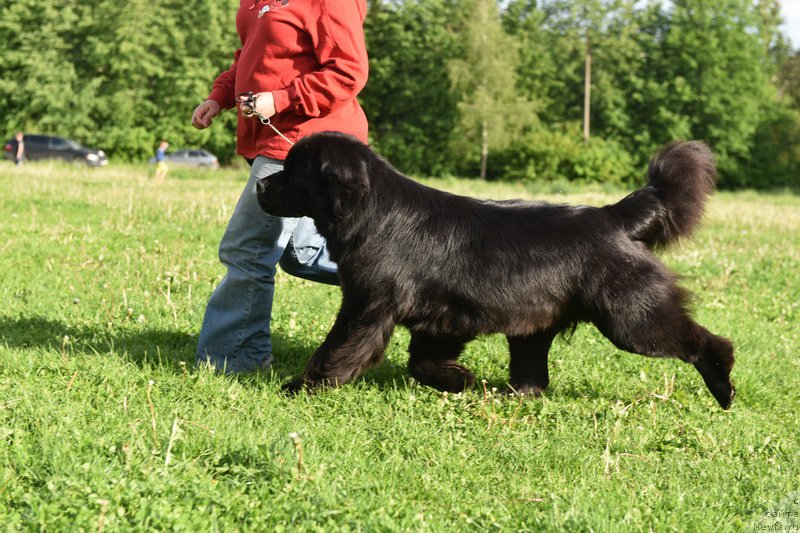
172,350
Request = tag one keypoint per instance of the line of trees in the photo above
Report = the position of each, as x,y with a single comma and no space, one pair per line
465,87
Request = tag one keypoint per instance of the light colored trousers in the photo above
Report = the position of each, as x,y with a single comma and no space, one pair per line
235,336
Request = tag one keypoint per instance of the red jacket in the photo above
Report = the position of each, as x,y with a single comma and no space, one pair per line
311,55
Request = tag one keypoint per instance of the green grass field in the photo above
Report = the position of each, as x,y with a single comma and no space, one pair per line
105,425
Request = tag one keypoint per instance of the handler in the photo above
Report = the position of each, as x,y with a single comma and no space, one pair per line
304,61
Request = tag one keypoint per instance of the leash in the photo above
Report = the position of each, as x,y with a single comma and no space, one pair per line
248,100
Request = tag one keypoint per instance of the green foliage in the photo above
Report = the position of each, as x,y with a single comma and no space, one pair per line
788,78
37,85
774,160
709,79
408,100
115,75
491,111
123,75
551,49
557,155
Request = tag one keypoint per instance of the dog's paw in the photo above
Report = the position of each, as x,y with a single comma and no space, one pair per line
523,389
453,377
295,386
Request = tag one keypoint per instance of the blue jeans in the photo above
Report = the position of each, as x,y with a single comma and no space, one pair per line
235,336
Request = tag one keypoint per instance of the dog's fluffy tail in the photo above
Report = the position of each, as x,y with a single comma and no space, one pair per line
680,179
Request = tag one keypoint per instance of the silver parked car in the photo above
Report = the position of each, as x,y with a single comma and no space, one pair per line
191,158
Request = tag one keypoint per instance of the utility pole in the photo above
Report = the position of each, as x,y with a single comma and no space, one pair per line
484,147
587,89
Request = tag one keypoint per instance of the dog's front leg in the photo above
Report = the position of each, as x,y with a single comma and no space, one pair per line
357,340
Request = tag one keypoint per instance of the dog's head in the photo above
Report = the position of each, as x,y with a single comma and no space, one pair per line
325,177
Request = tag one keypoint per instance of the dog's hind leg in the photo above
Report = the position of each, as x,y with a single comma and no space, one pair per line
652,321
529,373
433,362
710,354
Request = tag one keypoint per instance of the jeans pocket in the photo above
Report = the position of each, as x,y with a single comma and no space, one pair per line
306,241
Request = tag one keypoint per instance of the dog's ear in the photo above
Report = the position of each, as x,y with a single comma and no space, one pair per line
347,179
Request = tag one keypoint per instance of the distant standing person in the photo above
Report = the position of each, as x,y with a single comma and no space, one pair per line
161,162
19,155
303,62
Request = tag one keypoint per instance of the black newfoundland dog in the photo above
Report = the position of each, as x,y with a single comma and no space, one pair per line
450,267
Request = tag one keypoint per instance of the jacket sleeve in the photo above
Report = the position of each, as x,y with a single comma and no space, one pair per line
224,86
337,34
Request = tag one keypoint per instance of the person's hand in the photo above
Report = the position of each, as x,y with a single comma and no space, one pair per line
204,114
265,105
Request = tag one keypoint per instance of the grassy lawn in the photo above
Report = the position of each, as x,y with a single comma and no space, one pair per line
105,424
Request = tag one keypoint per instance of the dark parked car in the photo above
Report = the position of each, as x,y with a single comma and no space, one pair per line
191,158
50,147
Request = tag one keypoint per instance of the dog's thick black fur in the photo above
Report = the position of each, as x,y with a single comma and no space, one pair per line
450,267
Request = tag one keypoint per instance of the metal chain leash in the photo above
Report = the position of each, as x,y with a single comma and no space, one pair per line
248,100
